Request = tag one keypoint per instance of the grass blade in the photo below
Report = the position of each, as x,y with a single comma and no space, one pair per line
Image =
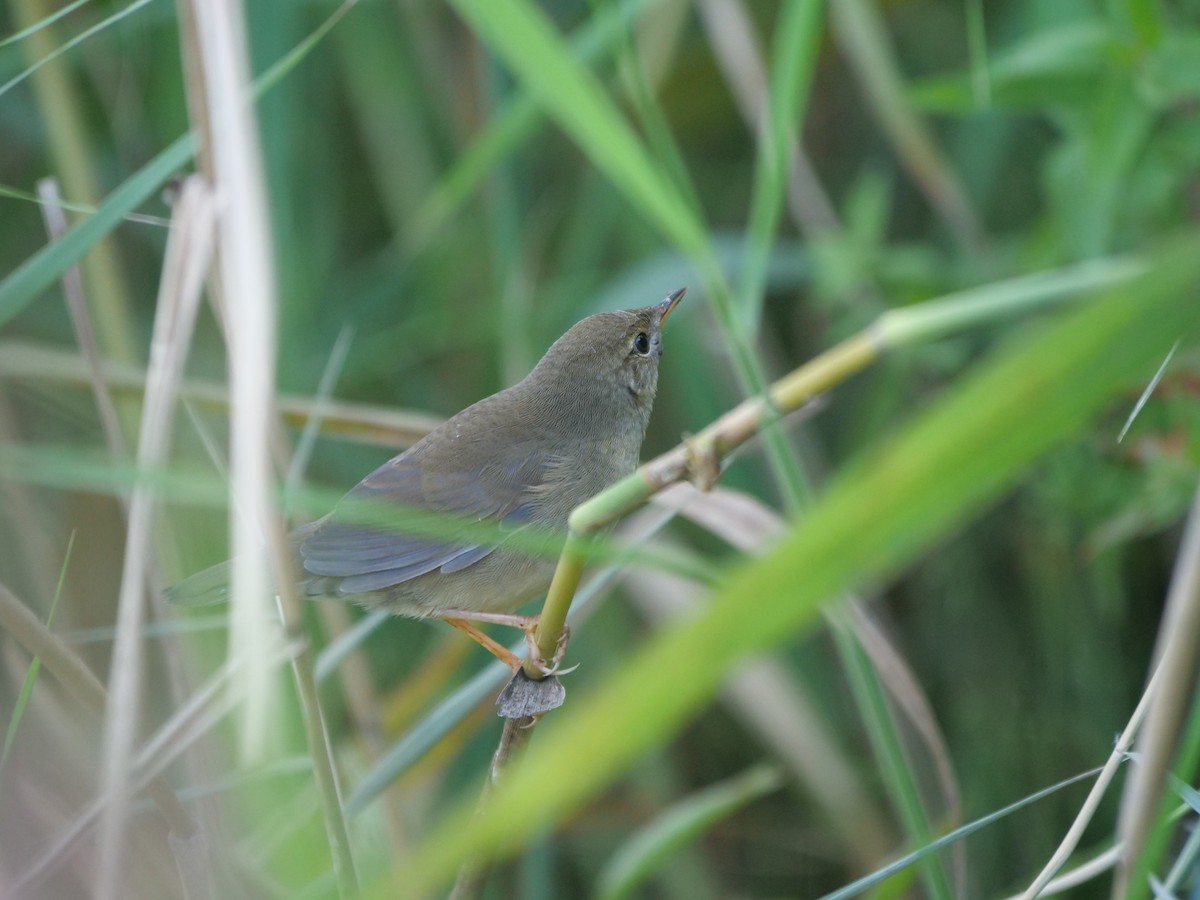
527,42
882,875
35,664
46,266
653,844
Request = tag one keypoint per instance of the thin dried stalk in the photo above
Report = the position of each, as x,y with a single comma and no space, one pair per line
1177,655
246,272
190,850
81,322
1081,874
187,256
352,421
859,30
736,50
191,721
1084,817
61,662
748,524
764,697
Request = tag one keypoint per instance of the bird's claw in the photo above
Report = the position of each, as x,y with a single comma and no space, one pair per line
545,670
539,664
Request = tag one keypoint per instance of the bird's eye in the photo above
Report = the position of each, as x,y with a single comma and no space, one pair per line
641,343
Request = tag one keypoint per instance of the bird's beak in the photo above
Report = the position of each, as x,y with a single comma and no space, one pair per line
664,308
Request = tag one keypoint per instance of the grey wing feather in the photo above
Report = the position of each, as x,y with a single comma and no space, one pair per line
369,558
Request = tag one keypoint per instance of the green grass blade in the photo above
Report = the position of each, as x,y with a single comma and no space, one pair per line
43,23
793,60
35,665
897,773
524,38
73,42
46,266
981,79
515,121
959,456
881,875
648,848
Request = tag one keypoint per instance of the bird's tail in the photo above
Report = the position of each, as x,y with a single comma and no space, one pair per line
211,585
206,587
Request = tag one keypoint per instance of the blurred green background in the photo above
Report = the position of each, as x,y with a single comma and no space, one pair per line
419,200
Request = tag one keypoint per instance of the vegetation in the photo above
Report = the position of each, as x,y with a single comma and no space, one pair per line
888,652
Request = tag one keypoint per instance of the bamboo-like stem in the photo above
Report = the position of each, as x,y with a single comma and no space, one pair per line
473,875
698,458
81,321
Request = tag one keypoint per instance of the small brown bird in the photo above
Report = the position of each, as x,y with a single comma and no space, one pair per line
527,455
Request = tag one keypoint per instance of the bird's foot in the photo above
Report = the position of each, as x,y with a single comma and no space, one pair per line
495,648
538,663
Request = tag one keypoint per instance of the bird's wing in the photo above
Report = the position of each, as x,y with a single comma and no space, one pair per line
370,558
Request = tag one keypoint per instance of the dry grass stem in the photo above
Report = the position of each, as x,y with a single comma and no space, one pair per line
901,682
187,257
771,706
1176,656
1084,817
748,524
860,33
366,423
81,322
1081,874
737,52
247,281
191,721
77,679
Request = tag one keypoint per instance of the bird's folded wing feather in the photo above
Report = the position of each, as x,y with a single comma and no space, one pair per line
365,557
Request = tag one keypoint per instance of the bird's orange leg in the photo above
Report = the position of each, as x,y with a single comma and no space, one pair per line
525,623
460,619
495,648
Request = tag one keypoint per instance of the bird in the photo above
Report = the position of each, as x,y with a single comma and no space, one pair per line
524,457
